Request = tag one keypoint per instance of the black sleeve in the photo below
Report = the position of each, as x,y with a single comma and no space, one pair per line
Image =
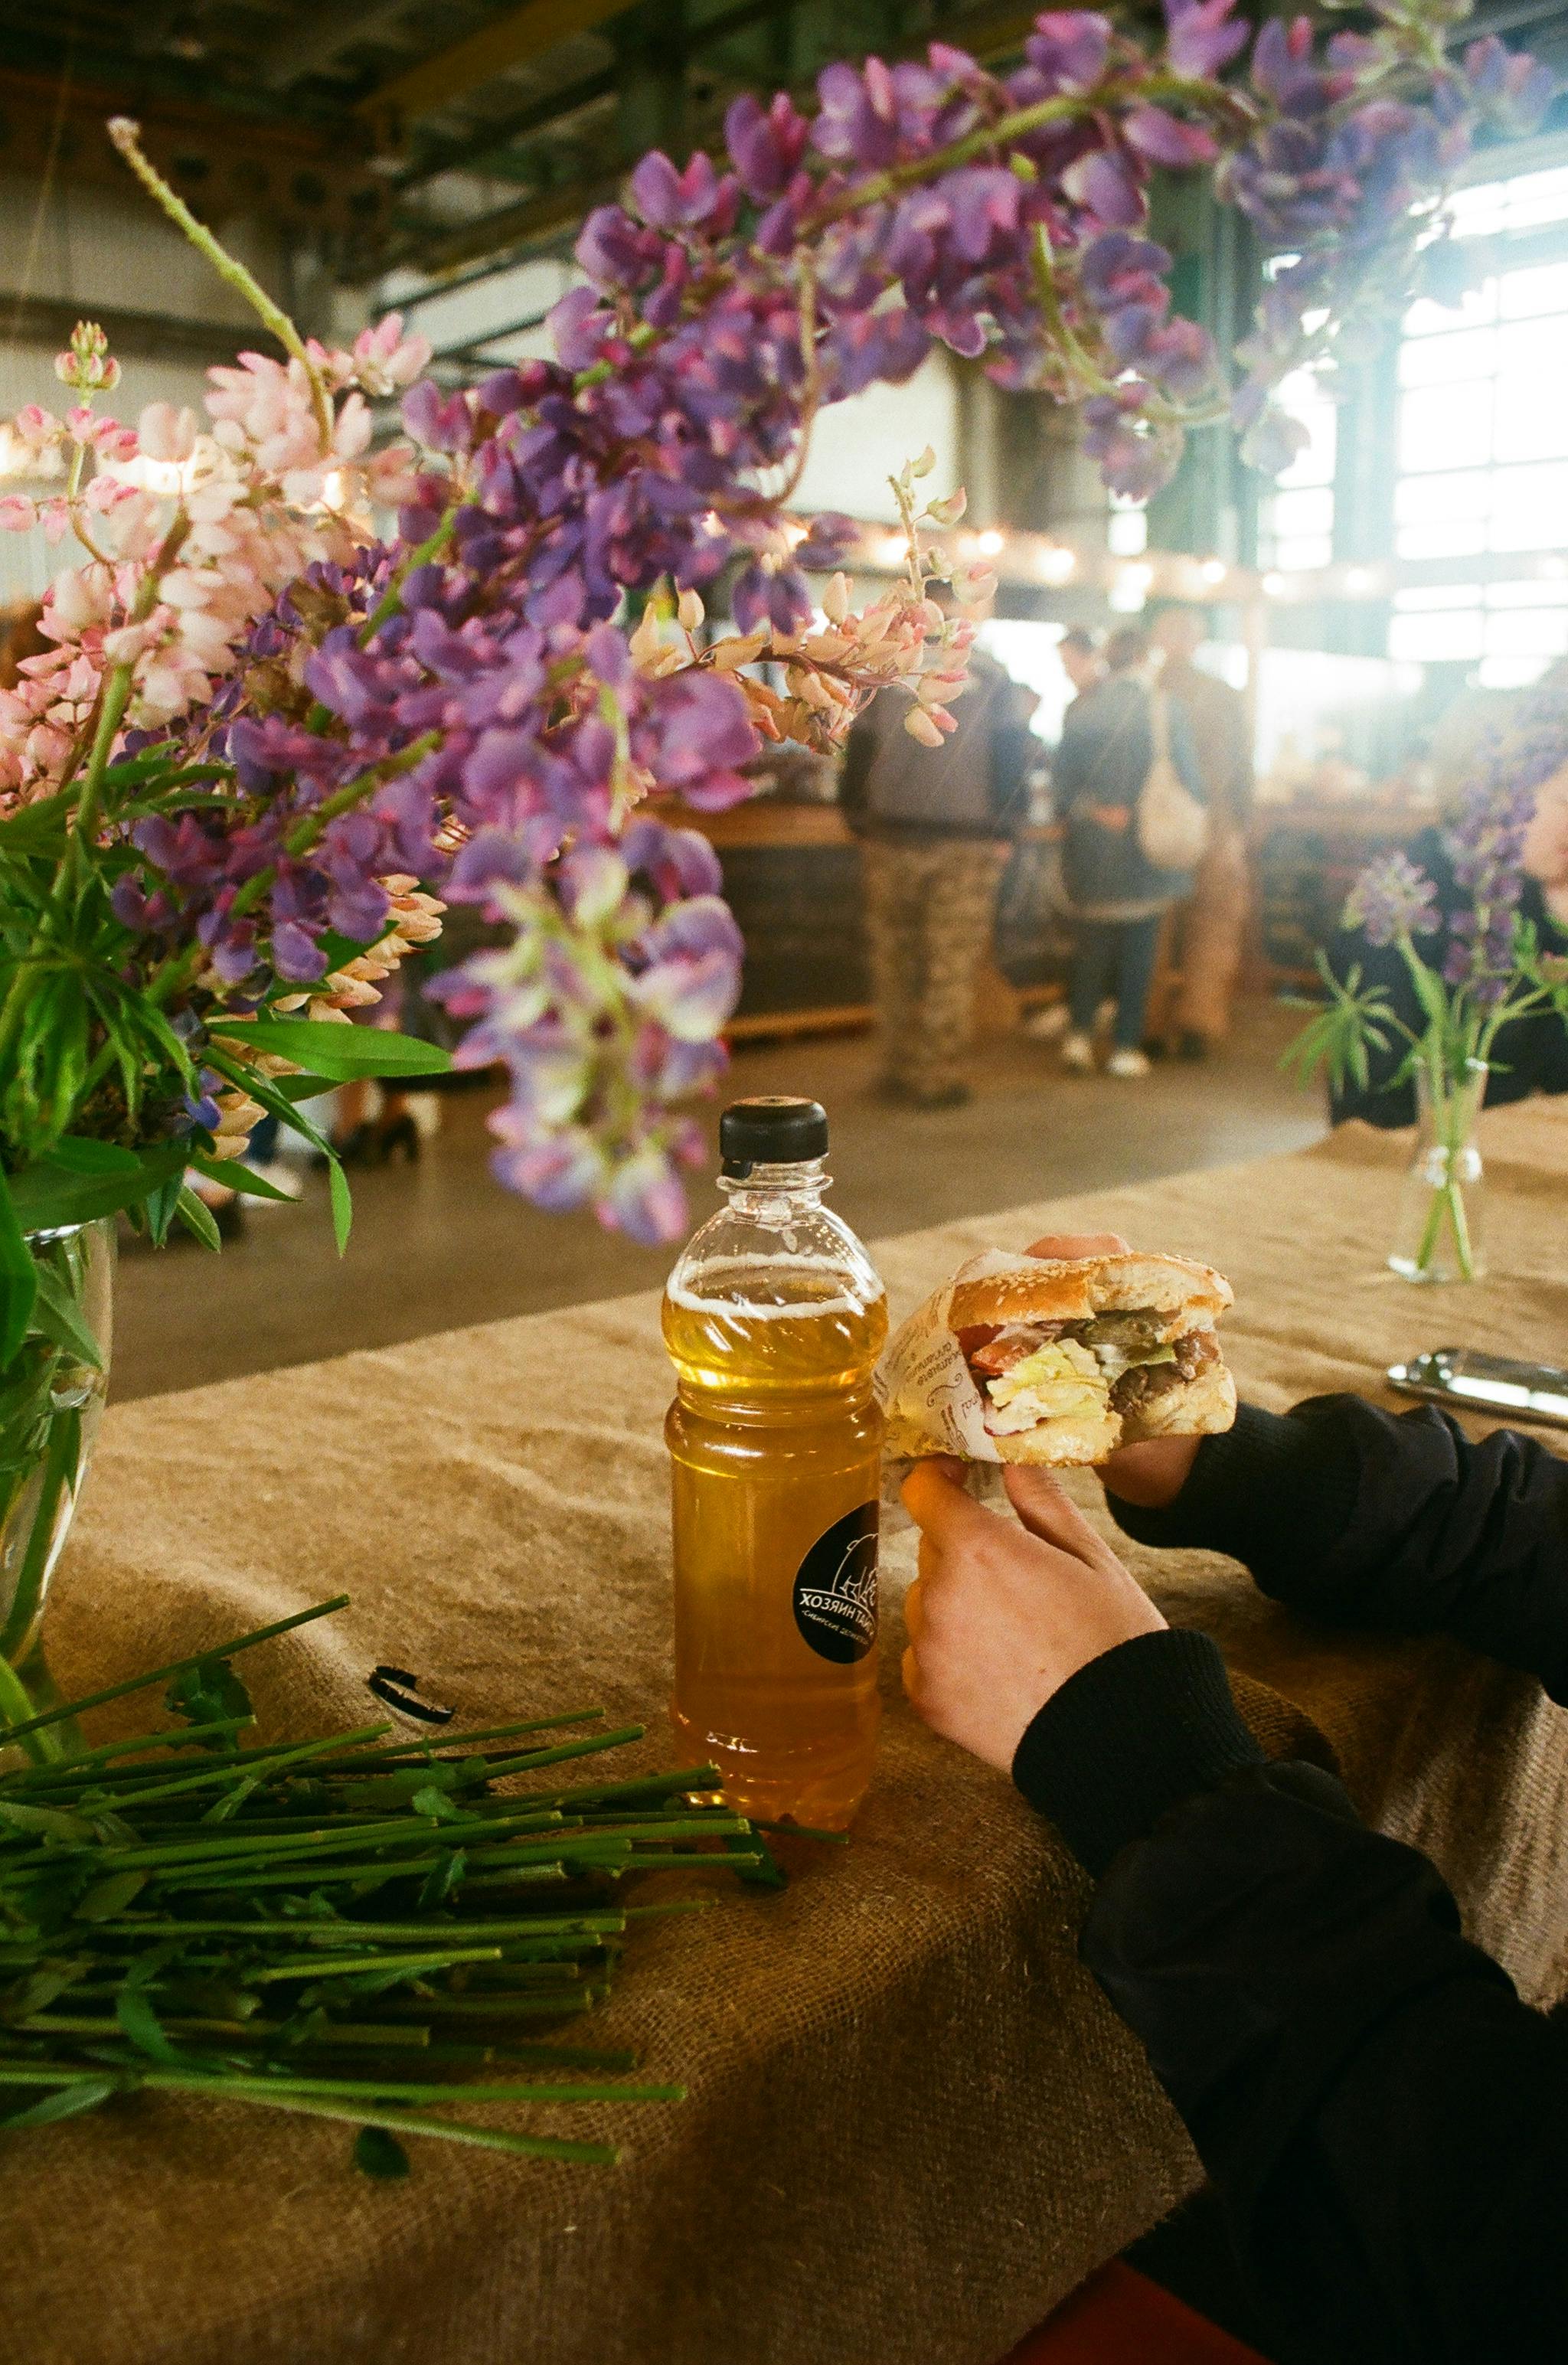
1397,1523
855,772
1385,2123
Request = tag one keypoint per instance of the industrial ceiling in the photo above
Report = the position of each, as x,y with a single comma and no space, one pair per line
446,134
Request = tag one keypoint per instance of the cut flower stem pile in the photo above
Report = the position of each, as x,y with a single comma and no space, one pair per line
349,1928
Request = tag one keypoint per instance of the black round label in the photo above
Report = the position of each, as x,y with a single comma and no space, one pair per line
836,1588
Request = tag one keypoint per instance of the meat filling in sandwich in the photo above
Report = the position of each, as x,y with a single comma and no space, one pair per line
1031,1372
1073,1357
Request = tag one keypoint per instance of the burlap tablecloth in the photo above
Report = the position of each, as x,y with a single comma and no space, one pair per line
913,2124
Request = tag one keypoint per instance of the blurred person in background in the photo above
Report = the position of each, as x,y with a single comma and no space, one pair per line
1213,920
1081,660
1107,751
1079,653
935,826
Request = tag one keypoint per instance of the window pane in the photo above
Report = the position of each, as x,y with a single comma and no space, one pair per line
1300,552
1529,593
1532,423
1529,509
1437,595
1538,198
1310,512
1522,294
1526,633
1524,203
1510,673
1445,426
1439,361
1475,308
1302,395
1437,639
1463,538
1429,500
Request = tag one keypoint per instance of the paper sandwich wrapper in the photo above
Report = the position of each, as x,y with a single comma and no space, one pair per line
928,1397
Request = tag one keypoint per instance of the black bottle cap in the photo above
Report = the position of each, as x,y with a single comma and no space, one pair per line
774,1129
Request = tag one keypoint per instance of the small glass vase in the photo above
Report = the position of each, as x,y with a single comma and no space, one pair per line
1440,1229
51,1400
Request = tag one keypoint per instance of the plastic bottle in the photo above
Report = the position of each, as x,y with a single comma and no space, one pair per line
774,1318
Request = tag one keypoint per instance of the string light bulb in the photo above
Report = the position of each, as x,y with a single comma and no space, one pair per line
990,542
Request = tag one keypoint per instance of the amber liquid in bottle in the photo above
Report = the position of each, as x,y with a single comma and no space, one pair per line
775,1318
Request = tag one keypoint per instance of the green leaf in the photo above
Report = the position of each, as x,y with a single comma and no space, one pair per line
162,1205
204,1694
47,1822
342,1202
443,1876
145,2030
239,1177
39,1988
109,1896
79,1155
378,2154
18,1275
64,2102
51,1195
342,1053
433,1800
59,1315
197,1217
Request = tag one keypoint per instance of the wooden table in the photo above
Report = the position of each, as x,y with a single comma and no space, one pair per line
914,2121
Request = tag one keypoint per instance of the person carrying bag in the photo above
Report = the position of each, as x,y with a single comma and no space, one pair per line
1128,792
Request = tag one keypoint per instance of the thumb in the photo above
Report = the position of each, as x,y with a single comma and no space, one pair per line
1050,1514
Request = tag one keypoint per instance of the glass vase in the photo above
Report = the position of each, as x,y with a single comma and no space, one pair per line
51,1400
1439,1230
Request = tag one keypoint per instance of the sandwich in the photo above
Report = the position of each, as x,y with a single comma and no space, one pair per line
1060,1360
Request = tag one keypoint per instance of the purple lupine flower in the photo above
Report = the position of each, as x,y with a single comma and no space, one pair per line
1392,898
1203,37
680,384
766,145
1067,50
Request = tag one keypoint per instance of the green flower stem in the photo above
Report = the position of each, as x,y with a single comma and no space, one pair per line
284,2095
85,1769
14,1731
327,1966
16,1707
1204,98
498,1927
391,599
59,1477
223,1775
304,834
272,316
400,2091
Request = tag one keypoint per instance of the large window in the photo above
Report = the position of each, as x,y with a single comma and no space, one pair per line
1296,519
1481,496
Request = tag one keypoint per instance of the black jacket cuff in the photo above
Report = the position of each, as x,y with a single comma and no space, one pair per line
1128,1737
1266,1479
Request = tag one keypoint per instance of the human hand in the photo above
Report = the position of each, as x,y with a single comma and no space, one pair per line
1000,1614
1152,1473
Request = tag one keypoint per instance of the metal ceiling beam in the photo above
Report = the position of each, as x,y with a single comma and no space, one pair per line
527,32
148,336
986,33
480,152
306,48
